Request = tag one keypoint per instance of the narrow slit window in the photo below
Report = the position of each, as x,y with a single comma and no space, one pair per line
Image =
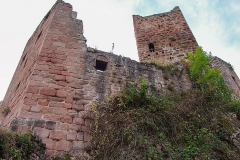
235,82
17,87
25,63
151,47
39,36
101,65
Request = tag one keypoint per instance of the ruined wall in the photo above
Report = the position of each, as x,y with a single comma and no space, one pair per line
228,74
61,112
62,78
163,38
59,78
14,95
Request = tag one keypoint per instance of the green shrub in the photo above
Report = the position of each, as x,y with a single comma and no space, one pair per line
207,79
142,123
18,146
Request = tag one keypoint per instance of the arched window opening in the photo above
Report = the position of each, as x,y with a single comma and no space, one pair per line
151,47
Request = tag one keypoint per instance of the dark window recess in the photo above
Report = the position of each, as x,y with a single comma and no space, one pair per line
25,63
17,87
101,65
156,53
39,36
47,15
170,44
23,58
151,47
235,82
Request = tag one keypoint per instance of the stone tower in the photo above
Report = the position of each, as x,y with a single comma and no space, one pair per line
163,38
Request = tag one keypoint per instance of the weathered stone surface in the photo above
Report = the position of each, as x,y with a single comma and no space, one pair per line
41,132
48,91
58,77
50,125
64,145
50,144
72,135
57,135
169,40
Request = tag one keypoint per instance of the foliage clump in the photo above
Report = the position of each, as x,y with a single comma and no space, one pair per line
208,79
20,146
143,123
210,82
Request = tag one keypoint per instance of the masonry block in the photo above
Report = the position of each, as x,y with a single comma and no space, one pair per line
57,135
64,145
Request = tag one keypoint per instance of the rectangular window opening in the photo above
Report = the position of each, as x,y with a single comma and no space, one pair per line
101,65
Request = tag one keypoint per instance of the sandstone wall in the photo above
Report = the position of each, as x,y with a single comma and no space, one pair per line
62,78
228,74
15,94
163,38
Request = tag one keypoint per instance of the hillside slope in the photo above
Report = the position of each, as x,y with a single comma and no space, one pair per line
145,123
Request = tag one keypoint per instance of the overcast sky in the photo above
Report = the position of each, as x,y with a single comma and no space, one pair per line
214,23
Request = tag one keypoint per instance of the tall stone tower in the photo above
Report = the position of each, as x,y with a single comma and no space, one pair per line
163,38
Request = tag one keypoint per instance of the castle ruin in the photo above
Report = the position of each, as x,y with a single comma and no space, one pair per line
58,77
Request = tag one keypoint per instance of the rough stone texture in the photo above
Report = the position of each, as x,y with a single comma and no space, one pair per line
58,77
228,74
168,32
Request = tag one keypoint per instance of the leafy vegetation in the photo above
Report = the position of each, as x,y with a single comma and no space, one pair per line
19,146
210,82
207,79
143,123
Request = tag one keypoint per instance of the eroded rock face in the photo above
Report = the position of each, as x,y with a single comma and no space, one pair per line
236,138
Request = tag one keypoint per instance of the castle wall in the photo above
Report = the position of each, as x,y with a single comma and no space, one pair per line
59,78
15,94
62,78
163,38
228,74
